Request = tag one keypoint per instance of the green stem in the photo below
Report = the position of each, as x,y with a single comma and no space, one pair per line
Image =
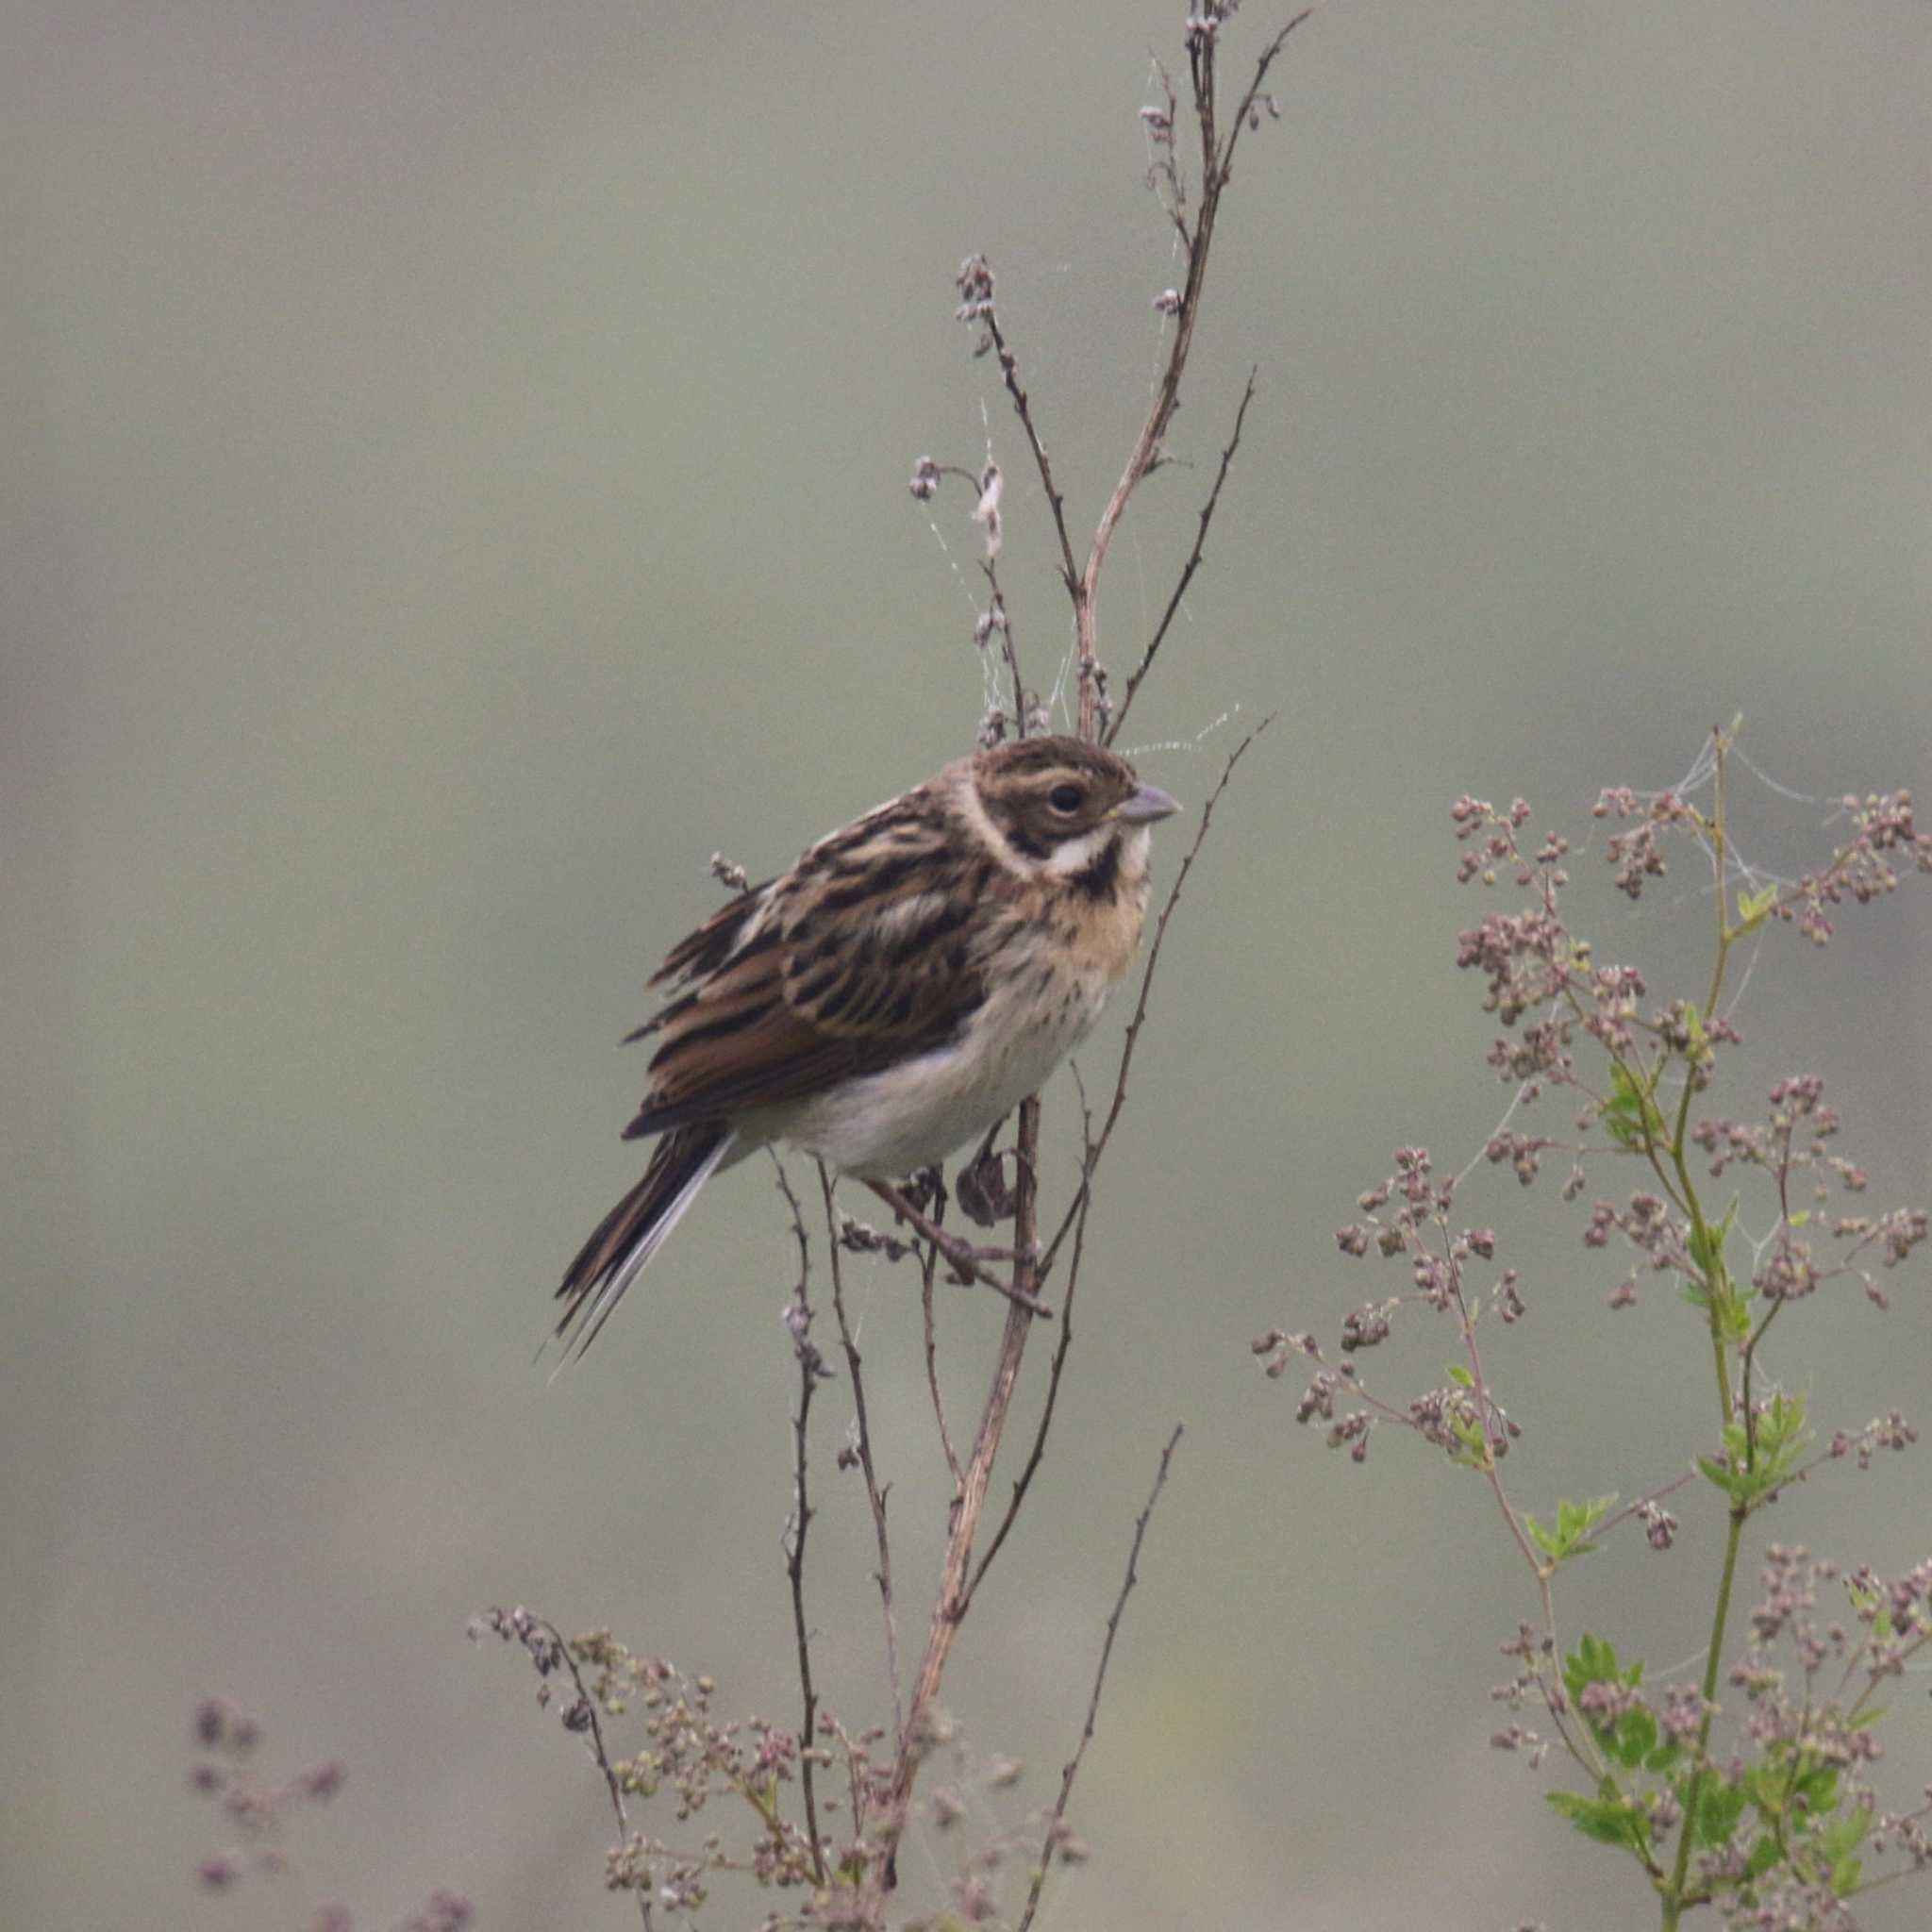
1674,1894
1718,1292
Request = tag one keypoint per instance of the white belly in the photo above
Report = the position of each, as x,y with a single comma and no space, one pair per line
892,1123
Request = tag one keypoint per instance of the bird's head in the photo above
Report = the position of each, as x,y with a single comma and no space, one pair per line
1067,807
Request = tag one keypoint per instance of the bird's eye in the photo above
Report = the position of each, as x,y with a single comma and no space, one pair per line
1065,799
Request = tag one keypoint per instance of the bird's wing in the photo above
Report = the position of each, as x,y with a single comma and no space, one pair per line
860,957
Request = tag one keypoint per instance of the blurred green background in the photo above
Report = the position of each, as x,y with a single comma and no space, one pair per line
455,481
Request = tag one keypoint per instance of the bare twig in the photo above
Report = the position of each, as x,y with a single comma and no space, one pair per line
1023,408
1097,1146
968,1504
966,1262
586,1724
1245,115
1188,570
1024,1481
958,1577
810,1369
873,1493
1216,168
1196,239
997,615
928,1262
1072,1769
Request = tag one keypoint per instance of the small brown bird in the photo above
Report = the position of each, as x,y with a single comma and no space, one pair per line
908,982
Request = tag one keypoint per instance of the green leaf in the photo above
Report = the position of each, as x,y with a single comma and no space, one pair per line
1575,1523
1630,1115
1758,1460
1461,1376
1610,1820
1707,1246
1845,1833
1594,1662
1754,908
1474,1452
1635,1739
1693,1025
1818,1788
1718,1812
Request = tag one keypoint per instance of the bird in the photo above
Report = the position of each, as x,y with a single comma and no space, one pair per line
908,982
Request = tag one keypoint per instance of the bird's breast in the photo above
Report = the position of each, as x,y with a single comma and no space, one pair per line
905,1117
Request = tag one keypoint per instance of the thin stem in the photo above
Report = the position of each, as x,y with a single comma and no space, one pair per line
1023,408
1718,1292
1188,570
1674,1894
593,1733
1024,1481
967,1261
928,1261
1216,169
810,1368
873,1493
1071,1770
1539,1565
969,1505
1008,648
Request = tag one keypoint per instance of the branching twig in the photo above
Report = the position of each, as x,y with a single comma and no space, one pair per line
958,1577
996,616
810,1369
1072,1769
1217,162
589,1726
1188,568
968,1504
873,1493
927,1263
1023,408
1024,1481
967,1263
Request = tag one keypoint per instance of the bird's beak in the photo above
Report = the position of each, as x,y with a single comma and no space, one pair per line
1146,803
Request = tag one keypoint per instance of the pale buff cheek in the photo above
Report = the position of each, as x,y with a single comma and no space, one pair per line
1076,855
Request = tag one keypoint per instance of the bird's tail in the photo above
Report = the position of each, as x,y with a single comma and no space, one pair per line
636,1228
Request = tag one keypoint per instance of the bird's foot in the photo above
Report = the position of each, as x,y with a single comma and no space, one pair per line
969,1263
